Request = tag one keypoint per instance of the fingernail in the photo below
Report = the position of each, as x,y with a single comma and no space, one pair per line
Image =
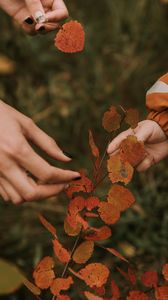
41,29
77,178
39,17
68,154
66,186
29,21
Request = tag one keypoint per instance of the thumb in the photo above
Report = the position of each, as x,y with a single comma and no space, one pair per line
115,143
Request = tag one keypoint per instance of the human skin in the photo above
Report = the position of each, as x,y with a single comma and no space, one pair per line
154,138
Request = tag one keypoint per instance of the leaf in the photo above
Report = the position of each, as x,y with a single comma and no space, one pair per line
165,272
11,277
83,252
119,170
111,119
63,297
95,274
61,284
61,253
150,279
161,293
132,150
31,287
115,291
100,291
116,253
43,274
82,185
137,295
91,296
93,147
98,234
108,213
132,117
76,205
48,226
71,231
70,38
120,197
92,202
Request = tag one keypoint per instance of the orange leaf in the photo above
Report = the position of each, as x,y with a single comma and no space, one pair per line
70,38
161,293
72,189
100,291
137,295
94,274
43,273
132,117
93,147
115,291
92,202
120,197
119,170
61,284
150,279
108,213
48,226
76,205
132,150
63,297
98,234
165,272
91,296
116,253
61,253
83,252
111,119
71,231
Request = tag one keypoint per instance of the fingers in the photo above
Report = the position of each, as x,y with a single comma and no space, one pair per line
3,194
146,163
40,28
11,193
36,9
115,144
58,13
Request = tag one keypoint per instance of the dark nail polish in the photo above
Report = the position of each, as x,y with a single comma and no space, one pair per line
41,29
29,21
77,178
68,154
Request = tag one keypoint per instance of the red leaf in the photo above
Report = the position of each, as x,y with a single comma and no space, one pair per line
61,253
119,170
150,279
132,276
93,147
137,295
48,226
69,230
161,293
70,38
83,252
91,296
82,185
116,253
61,284
120,197
108,213
100,291
115,291
92,202
111,119
43,273
165,272
132,117
98,234
63,297
76,205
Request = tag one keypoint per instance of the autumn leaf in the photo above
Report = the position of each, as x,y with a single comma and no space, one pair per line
82,185
71,231
92,144
91,296
95,274
43,273
137,295
132,150
115,291
31,287
61,284
61,253
98,234
165,272
63,297
99,290
92,202
111,119
48,226
132,117
119,170
108,213
76,205
150,279
115,253
70,38
120,197
161,293
83,252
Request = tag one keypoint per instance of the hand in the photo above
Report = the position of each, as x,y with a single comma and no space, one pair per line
36,15
17,159
154,138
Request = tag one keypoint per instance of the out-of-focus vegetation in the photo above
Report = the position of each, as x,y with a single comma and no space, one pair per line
126,51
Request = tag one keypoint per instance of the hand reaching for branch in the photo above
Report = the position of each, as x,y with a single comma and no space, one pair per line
36,15
17,157
154,138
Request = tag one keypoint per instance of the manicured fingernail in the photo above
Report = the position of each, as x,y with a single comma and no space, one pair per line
68,154
29,21
66,186
77,178
39,17
41,29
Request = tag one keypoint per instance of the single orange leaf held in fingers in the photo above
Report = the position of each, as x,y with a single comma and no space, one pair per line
165,272
83,252
43,273
61,284
108,213
150,279
132,117
119,170
111,119
137,295
132,150
61,253
98,234
120,197
70,38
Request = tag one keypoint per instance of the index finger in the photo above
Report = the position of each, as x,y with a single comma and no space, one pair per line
58,11
36,10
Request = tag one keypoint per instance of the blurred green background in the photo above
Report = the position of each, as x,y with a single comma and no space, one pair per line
125,53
